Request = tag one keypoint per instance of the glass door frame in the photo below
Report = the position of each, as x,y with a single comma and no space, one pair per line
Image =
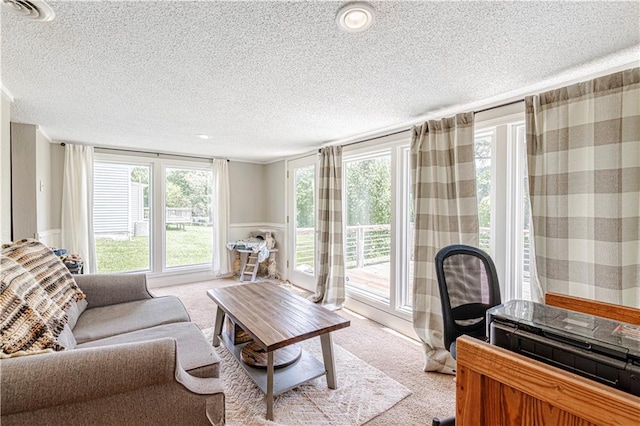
394,313
306,281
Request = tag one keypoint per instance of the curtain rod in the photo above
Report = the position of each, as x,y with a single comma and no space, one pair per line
157,154
409,128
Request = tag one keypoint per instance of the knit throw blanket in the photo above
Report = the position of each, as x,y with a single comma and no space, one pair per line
35,290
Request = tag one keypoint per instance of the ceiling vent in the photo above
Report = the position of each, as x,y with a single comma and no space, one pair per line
36,10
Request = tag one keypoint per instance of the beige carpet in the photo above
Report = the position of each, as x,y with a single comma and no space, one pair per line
432,394
363,393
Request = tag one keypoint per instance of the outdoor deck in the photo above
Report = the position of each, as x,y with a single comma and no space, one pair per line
375,278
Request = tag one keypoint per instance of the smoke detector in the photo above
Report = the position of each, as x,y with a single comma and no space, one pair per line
36,10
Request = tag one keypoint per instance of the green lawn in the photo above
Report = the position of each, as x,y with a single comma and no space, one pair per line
190,246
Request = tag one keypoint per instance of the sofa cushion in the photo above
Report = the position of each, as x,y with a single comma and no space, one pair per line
106,321
47,268
66,339
24,286
194,351
74,311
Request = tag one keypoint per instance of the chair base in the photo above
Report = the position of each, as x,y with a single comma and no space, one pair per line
449,421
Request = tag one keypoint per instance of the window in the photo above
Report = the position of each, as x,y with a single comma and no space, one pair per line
152,214
379,218
121,217
483,144
368,224
378,223
503,204
305,219
301,218
188,216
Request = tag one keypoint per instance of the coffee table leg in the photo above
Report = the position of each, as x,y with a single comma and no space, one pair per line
329,363
217,328
270,385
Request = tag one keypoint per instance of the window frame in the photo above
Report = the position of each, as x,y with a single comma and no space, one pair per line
507,165
157,176
393,312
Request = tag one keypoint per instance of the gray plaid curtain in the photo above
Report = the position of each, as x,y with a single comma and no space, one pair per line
330,267
446,212
583,147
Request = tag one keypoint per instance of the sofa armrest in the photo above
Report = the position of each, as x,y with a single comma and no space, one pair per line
111,289
92,380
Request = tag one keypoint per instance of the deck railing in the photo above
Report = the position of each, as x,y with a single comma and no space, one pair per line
365,245
371,244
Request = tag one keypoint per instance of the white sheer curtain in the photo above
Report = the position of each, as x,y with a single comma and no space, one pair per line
221,262
77,205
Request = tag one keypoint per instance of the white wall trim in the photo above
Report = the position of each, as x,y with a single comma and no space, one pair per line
50,237
45,134
6,92
257,225
168,278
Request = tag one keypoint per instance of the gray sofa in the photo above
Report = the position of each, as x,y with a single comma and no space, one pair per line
132,359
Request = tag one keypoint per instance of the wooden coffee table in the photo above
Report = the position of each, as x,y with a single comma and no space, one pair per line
276,318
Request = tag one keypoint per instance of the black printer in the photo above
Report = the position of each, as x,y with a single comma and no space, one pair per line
604,350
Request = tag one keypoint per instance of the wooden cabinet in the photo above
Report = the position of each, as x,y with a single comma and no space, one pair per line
499,387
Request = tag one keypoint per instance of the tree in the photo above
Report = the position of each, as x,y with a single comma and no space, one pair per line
305,214
141,175
369,191
189,189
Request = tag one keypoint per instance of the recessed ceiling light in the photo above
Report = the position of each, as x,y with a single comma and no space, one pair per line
355,17
204,136
36,10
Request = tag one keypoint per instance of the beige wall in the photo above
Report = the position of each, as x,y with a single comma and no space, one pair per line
49,164
24,204
55,188
246,184
5,168
258,201
274,189
36,179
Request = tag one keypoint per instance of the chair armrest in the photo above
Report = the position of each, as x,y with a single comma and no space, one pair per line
111,289
43,381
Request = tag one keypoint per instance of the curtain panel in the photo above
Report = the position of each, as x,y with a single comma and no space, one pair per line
583,150
77,205
330,264
221,261
446,212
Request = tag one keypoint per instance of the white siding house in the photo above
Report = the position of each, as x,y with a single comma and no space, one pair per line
117,202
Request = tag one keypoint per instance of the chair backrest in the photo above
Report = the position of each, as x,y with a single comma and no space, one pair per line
468,285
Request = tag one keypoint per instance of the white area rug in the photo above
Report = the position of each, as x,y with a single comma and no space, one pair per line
363,393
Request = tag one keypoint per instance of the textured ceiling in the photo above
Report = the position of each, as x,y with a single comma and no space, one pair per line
271,79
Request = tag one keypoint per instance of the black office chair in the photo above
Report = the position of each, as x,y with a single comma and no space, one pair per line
468,285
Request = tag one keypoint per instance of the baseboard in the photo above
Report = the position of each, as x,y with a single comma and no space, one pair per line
165,279
393,322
